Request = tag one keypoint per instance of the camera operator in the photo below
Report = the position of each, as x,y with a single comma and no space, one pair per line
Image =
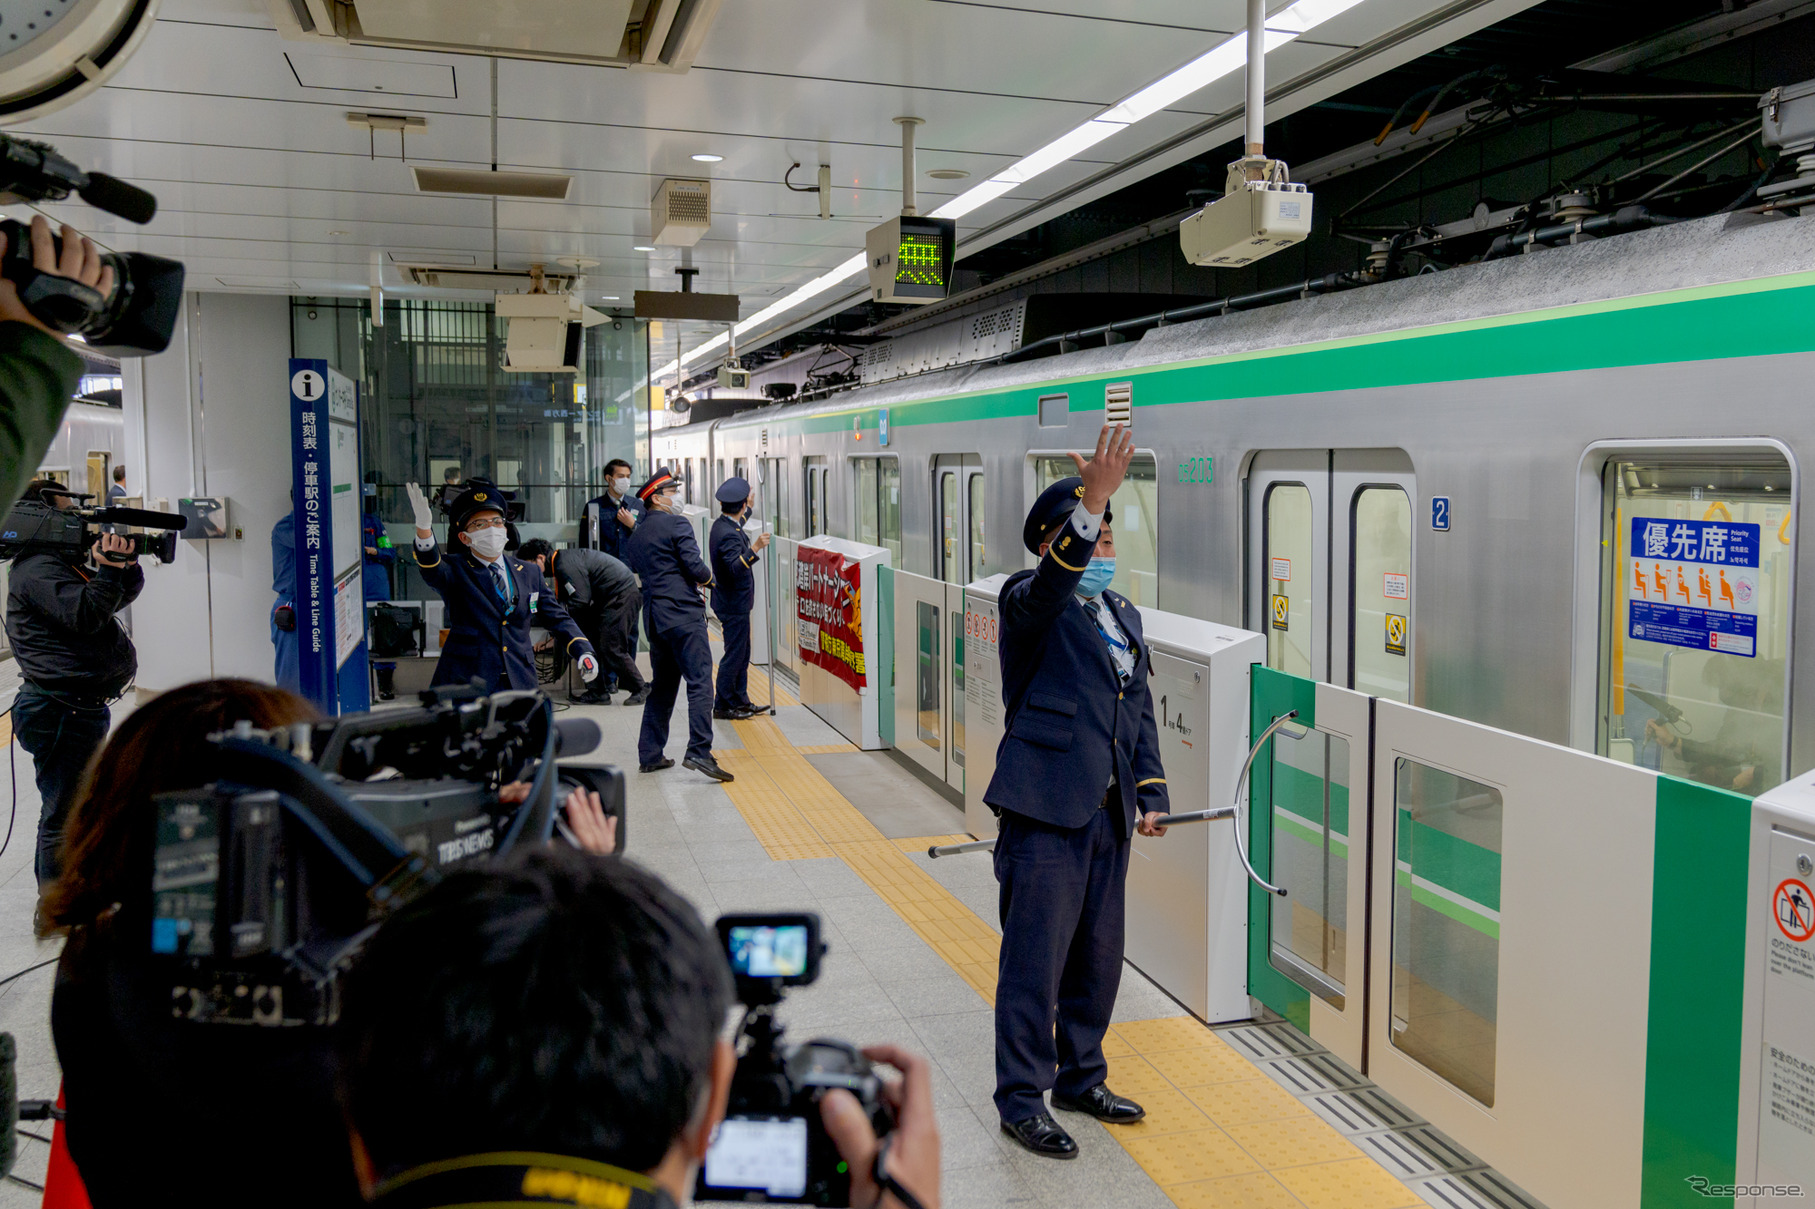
75,660
548,1030
161,1103
38,371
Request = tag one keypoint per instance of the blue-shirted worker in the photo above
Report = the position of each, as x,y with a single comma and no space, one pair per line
733,596
608,520
492,598
380,556
288,671
1077,771
664,555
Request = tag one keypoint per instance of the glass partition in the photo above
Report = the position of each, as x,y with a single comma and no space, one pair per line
1310,853
1135,507
1446,924
1695,626
927,678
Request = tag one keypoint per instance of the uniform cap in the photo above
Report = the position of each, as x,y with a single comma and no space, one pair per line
1054,505
660,479
479,496
732,491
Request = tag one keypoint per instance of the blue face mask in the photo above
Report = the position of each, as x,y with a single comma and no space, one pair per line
1097,574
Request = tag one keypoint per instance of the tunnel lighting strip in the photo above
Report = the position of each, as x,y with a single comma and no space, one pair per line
1221,60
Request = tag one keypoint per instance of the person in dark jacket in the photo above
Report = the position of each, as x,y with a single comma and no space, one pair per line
601,595
380,557
288,670
608,520
75,661
492,598
1077,770
675,580
733,596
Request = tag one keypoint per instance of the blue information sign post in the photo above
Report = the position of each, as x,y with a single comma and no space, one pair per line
330,596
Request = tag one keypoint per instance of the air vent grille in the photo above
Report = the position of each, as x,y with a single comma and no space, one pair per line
1118,403
681,212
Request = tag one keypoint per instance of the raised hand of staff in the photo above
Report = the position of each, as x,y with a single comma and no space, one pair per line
419,504
1107,467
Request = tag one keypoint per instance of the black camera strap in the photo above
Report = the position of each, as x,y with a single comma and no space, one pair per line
520,1178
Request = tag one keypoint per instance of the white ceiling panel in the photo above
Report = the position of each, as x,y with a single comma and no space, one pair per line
243,135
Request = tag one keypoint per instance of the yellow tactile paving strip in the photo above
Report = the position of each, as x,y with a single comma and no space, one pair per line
1218,1131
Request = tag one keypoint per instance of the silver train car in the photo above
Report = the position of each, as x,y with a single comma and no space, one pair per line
1555,493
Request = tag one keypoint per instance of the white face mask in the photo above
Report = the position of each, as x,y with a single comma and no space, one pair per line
620,485
488,544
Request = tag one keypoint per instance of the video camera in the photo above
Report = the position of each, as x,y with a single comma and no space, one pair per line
40,527
772,1144
139,316
266,884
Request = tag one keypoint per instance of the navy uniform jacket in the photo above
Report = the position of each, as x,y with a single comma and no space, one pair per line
666,558
612,537
733,583
1070,724
377,573
487,638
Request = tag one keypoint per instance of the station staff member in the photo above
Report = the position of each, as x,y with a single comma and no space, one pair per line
608,520
1076,772
380,557
492,599
733,596
664,555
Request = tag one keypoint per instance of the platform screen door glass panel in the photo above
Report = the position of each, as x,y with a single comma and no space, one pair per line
957,623
1135,506
927,685
1380,607
1695,625
1291,610
1310,846
1446,924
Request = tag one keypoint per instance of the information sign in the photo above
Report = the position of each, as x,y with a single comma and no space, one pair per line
330,597
1694,584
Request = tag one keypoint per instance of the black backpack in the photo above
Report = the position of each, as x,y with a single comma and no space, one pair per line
393,631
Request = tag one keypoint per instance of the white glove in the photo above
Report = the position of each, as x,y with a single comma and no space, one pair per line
419,503
589,668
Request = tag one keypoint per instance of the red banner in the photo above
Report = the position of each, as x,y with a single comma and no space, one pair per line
829,611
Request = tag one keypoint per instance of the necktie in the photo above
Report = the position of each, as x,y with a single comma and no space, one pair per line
498,584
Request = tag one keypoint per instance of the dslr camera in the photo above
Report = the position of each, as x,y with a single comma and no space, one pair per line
40,527
266,883
772,1144
139,316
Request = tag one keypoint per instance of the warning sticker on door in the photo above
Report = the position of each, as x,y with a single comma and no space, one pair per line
1793,906
1694,584
1397,586
1395,634
1282,569
1282,613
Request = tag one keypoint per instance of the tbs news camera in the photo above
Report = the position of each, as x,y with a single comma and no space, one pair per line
40,527
266,884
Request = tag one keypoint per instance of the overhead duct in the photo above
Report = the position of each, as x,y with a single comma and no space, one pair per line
651,35
539,186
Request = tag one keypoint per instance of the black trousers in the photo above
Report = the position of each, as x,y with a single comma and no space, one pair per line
734,664
677,654
616,640
62,734
1062,896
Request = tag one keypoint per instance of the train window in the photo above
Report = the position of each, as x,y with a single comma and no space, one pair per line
1136,510
740,468
1380,593
1310,846
1055,411
1446,925
974,506
1695,626
815,469
876,487
777,497
1291,609
720,476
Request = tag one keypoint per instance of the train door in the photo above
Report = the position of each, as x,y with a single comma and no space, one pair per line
1330,565
818,487
959,551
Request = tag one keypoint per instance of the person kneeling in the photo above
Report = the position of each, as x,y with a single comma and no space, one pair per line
548,1030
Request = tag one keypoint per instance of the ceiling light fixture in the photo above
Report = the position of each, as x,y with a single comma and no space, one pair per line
1220,60
642,247
947,174
706,157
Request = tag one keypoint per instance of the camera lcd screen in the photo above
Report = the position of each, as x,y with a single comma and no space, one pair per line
766,1153
769,952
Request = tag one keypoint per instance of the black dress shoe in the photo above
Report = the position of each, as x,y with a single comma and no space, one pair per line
638,697
1042,1135
1102,1104
729,715
657,765
707,765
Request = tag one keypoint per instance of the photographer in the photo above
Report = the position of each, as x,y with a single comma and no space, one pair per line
549,1031
38,372
156,1102
75,660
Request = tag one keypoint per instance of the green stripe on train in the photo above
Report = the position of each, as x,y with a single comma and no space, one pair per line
1761,317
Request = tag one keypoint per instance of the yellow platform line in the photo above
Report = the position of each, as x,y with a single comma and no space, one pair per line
1218,1131
828,749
